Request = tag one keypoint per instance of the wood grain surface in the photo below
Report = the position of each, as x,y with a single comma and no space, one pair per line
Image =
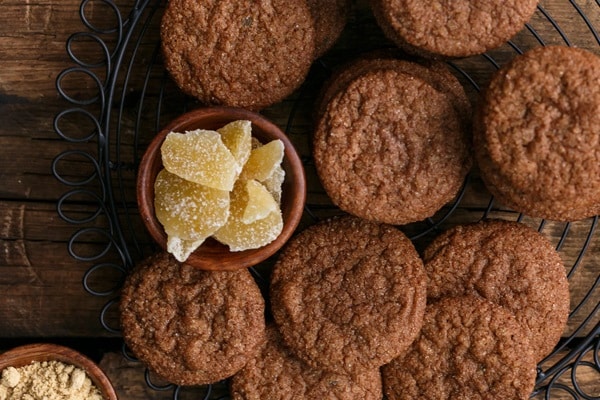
41,291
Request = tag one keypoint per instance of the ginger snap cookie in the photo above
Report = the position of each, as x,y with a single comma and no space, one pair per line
276,374
391,148
189,326
468,348
509,264
442,29
348,295
537,134
238,53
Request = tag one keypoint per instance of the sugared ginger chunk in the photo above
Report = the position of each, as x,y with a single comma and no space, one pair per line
188,210
237,137
263,161
260,202
200,156
241,236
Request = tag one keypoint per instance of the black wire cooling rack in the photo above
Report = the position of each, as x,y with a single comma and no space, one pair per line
118,95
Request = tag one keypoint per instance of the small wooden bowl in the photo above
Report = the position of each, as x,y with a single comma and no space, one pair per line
212,255
25,355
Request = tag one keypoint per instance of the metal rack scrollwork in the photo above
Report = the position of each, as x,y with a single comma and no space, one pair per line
131,96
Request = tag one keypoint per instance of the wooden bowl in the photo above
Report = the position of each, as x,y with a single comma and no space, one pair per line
212,255
25,355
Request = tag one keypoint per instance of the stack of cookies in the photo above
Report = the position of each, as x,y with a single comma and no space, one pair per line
537,136
247,54
392,139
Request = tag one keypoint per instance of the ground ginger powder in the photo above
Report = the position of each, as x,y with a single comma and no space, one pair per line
47,380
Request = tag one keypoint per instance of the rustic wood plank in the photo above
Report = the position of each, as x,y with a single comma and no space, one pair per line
41,283
44,298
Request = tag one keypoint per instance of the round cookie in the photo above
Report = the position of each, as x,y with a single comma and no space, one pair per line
443,29
330,17
391,148
189,326
238,53
509,264
536,134
469,348
348,295
276,374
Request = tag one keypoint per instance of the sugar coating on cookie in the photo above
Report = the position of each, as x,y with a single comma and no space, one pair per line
441,28
348,295
391,148
536,134
238,53
190,326
468,348
509,264
275,373
435,73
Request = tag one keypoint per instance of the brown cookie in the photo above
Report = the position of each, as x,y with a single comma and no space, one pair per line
442,28
435,73
276,374
469,348
238,53
330,17
391,148
189,326
348,295
537,139
509,264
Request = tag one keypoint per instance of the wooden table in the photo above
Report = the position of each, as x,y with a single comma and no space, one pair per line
42,296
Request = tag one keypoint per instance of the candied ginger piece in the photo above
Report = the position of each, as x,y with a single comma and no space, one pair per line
263,161
200,156
260,202
188,210
181,248
240,236
274,183
237,137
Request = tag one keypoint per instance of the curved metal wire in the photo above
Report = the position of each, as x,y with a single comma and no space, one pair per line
118,148
104,312
89,275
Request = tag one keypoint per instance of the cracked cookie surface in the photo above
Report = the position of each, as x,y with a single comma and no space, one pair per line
443,28
509,264
190,326
391,148
276,374
536,135
348,295
435,73
468,348
238,53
